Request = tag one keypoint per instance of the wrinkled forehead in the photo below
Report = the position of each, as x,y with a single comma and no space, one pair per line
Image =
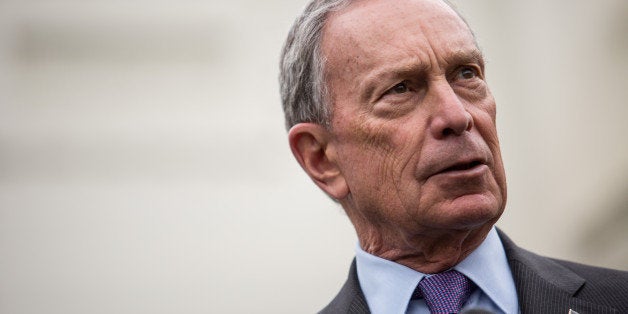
367,16
371,30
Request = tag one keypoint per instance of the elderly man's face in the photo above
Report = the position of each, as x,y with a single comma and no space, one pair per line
413,125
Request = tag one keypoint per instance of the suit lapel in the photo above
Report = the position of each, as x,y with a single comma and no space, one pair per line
545,286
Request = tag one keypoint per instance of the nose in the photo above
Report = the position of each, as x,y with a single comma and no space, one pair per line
450,118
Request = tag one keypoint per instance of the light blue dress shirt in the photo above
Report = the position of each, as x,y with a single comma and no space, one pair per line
388,286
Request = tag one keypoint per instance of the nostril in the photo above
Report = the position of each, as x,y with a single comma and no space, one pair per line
457,128
448,131
451,123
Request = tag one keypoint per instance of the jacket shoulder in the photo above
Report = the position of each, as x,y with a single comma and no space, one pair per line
350,299
601,284
546,283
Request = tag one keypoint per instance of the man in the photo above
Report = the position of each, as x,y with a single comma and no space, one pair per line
389,114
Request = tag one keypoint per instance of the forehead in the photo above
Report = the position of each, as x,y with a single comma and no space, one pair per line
369,33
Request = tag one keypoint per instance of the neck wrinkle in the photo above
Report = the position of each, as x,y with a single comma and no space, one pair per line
425,254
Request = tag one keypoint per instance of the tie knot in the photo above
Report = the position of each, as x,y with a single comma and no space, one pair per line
445,292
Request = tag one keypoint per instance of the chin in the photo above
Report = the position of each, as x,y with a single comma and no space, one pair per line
470,212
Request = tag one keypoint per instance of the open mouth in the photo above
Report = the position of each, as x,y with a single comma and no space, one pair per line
463,166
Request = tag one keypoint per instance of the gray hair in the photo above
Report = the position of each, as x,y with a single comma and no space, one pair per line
304,94
301,78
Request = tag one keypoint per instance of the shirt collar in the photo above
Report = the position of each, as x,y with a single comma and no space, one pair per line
488,268
388,286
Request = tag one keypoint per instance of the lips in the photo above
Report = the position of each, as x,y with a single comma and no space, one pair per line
462,166
458,158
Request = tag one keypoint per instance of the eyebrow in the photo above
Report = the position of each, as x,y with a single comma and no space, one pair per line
418,68
464,57
390,72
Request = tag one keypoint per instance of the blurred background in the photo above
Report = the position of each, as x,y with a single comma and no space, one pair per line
144,167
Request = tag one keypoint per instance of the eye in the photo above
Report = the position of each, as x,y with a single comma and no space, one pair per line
400,88
467,73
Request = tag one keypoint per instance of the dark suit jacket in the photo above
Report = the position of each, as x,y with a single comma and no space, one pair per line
543,285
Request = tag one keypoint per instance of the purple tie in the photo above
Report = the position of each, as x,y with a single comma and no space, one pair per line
445,292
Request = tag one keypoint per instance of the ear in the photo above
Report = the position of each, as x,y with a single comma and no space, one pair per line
311,146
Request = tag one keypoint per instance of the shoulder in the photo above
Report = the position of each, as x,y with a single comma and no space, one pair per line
350,299
599,282
557,269
562,284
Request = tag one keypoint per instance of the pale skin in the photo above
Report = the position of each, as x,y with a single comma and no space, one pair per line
412,152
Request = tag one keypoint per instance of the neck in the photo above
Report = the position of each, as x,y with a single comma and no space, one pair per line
428,251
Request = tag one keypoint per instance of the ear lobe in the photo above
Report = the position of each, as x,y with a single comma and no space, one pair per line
311,146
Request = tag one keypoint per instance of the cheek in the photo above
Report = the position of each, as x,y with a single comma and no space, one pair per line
370,137
483,114
376,152
485,124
